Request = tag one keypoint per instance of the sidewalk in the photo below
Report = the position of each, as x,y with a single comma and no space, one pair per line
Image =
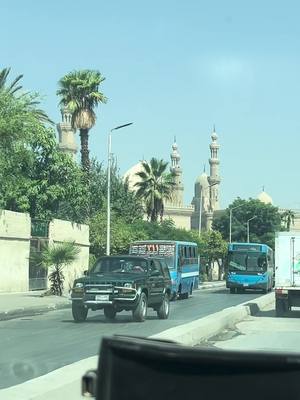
16,305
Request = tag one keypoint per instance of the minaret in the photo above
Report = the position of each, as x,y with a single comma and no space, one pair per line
177,197
214,178
66,134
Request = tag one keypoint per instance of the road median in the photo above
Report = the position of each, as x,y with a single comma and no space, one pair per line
195,332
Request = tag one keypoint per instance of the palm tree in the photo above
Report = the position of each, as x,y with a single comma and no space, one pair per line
79,91
12,88
57,257
155,186
30,101
288,217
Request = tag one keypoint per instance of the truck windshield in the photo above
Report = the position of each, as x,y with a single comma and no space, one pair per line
119,265
245,261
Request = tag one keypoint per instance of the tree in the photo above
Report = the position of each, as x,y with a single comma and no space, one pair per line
57,257
123,233
30,101
288,217
212,249
155,186
35,177
79,91
262,228
124,202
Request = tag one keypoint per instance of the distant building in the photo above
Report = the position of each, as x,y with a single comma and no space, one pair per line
207,190
66,134
206,187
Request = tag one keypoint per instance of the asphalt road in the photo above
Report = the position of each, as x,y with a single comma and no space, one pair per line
34,346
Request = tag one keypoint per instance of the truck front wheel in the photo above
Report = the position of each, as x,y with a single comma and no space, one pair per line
281,307
79,312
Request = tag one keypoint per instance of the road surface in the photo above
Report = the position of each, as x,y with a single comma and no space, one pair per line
34,346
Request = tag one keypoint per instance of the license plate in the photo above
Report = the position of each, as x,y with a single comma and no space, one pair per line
246,284
102,297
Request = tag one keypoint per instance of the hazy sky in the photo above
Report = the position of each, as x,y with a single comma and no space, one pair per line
176,68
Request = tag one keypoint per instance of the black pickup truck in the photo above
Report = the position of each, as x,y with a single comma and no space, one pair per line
117,283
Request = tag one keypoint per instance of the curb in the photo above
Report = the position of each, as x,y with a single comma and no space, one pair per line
53,385
195,332
31,311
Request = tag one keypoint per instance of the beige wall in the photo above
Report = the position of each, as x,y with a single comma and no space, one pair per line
14,251
15,233
60,231
180,215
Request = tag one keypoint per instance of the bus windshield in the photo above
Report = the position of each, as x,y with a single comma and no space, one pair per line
247,262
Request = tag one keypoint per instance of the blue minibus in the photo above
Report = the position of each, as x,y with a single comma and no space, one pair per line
182,259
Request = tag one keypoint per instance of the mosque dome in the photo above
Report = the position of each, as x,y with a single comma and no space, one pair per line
265,198
132,177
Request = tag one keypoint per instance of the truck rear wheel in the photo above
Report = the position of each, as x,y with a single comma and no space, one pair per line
281,307
184,296
140,313
164,308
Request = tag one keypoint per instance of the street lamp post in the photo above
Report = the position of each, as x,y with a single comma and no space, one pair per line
248,228
109,185
230,219
200,206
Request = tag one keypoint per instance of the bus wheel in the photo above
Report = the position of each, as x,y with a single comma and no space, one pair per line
184,296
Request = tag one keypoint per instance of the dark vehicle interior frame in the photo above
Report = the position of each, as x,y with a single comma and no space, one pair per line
147,369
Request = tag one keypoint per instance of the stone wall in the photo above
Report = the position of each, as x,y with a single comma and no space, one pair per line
15,235
14,251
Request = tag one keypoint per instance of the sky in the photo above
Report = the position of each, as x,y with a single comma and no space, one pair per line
175,68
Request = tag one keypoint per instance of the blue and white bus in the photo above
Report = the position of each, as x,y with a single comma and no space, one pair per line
249,266
182,259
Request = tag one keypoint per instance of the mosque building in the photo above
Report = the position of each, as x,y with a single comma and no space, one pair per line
66,134
206,192
205,203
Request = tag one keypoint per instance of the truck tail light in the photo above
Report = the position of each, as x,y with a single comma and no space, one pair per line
281,291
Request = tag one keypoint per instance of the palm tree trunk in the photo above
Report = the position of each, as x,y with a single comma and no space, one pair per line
85,158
